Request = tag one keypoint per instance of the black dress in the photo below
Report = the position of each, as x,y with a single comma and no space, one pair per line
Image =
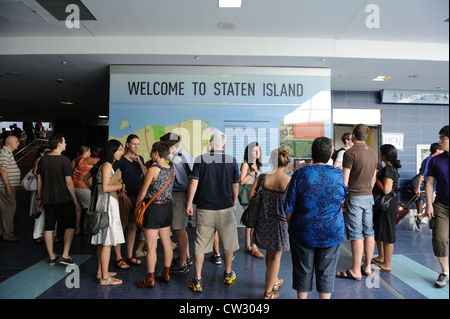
384,221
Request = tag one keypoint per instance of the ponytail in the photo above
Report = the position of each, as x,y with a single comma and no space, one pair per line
397,164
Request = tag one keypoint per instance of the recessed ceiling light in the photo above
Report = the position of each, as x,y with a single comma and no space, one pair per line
103,116
382,78
230,3
227,25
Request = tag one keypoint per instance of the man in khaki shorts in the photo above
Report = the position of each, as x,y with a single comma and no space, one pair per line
183,171
215,185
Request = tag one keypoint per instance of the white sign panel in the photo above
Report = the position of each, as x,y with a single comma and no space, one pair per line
395,139
415,97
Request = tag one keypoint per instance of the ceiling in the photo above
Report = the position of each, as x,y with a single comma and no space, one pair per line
43,62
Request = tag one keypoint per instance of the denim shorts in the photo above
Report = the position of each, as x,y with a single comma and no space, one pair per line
359,217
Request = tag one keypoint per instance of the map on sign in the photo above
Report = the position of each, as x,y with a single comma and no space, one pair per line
241,125
194,134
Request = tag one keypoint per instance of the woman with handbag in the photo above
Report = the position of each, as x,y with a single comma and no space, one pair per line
271,230
81,165
158,184
384,218
250,169
112,235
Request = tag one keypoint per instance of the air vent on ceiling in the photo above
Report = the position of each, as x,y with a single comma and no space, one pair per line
57,8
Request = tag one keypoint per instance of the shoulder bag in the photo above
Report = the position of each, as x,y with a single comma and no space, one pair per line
29,182
96,220
381,200
250,215
243,194
140,210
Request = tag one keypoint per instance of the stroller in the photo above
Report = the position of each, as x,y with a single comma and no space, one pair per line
403,209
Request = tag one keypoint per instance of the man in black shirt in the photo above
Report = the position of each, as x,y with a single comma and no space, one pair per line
56,195
215,185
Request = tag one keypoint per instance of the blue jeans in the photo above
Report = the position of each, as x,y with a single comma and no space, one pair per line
359,217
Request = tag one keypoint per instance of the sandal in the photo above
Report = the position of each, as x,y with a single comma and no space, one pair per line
347,275
111,281
256,253
99,275
277,284
379,268
141,254
121,264
272,295
133,261
365,273
375,261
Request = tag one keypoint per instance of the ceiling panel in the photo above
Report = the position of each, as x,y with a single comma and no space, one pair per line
412,40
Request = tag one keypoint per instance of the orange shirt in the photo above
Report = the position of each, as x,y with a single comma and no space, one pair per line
81,169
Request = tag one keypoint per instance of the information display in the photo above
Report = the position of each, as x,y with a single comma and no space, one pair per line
273,106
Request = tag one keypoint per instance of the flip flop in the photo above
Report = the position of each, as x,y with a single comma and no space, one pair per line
111,281
375,262
347,275
379,268
366,273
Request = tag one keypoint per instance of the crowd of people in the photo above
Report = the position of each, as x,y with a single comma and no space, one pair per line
309,213
27,135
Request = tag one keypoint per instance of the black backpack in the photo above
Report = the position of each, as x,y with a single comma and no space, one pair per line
335,153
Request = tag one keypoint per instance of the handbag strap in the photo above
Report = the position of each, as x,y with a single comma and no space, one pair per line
262,177
160,191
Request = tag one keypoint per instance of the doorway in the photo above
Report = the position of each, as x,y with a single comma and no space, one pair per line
373,140
345,119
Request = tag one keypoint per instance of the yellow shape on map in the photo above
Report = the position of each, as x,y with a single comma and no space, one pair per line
124,124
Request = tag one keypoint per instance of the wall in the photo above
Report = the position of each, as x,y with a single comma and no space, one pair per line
76,134
419,122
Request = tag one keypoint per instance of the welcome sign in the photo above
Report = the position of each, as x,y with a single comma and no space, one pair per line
247,104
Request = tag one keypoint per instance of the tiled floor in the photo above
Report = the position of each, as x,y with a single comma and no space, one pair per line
24,273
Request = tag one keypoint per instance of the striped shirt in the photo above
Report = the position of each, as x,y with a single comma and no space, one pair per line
7,160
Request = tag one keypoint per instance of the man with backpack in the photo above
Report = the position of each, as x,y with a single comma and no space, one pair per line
338,155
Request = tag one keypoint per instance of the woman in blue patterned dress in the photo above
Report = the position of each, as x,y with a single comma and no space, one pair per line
271,231
316,224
